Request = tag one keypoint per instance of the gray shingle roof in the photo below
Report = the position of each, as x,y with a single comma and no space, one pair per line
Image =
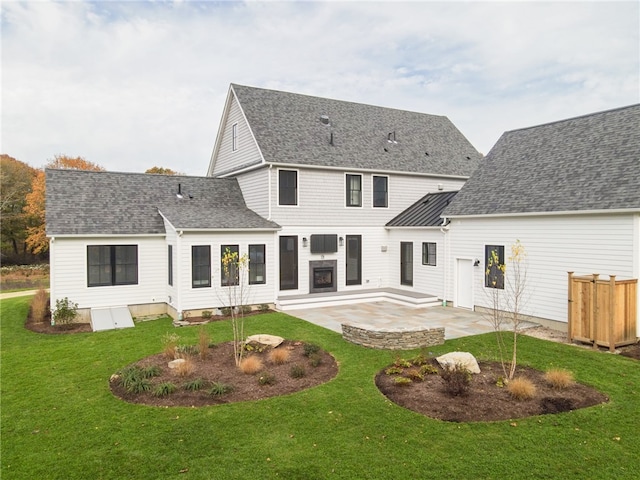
85,203
425,212
580,164
288,129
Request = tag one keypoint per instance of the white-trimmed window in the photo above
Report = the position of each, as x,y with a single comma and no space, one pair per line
234,137
112,265
429,253
200,266
257,265
287,187
353,190
380,191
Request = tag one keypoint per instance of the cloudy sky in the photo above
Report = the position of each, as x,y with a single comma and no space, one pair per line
130,85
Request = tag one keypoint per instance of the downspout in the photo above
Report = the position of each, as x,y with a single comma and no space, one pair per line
52,273
444,229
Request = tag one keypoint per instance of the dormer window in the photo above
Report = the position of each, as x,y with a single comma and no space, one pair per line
234,137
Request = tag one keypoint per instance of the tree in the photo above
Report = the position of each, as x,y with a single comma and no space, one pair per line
16,178
161,171
507,304
35,204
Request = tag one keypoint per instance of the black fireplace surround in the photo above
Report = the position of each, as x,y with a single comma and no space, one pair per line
322,276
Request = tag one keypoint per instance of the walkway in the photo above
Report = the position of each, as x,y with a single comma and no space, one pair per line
20,293
457,322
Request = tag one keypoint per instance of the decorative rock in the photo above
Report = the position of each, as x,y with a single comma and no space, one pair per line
265,339
176,362
464,359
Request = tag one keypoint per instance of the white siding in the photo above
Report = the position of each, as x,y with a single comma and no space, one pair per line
555,245
214,296
321,198
247,151
173,291
255,190
426,278
69,273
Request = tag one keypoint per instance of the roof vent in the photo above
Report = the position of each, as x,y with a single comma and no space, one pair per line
391,138
179,194
324,119
426,154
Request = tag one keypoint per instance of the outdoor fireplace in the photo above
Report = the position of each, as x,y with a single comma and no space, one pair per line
322,276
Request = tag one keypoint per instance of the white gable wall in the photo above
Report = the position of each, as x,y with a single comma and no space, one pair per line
555,245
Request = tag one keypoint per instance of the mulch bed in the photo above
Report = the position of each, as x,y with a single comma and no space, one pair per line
219,366
485,400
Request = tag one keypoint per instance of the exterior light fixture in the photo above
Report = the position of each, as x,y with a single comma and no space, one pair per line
476,262
341,240
304,241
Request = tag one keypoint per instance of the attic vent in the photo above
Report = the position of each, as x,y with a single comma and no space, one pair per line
324,119
426,154
391,138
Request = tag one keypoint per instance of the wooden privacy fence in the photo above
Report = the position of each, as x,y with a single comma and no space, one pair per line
602,312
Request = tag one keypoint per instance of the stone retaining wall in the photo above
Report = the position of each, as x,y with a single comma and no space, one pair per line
393,339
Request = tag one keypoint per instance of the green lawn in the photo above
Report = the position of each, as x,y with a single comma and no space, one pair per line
59,419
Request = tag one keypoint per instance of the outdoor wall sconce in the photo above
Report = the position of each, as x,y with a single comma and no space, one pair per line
341,240
476,262
304,241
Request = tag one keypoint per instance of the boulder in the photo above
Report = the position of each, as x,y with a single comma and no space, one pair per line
176,362
464,359
265,339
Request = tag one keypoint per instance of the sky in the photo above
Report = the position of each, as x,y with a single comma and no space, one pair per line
131,85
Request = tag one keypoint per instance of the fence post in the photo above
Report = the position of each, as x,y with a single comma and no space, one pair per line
570,308
594,316
612,311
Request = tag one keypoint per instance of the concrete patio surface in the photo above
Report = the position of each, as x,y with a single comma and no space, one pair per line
457,322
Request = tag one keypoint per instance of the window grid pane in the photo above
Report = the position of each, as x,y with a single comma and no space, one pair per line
354,190
380,197
229,274
200,266
257,268
287,187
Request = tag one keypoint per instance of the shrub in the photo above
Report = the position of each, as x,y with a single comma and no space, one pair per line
151,371
263,307
66,311
420,359
521,388
203,343
133,380
428,369
414,374
207,314
457,380
251,364
220,388
39,306
194,385
164,389
169,345
315,359
266,379
184,350
402,363
279,356
559,378
297,371
309,349
225,311
186,368
394,370
244,309
402,381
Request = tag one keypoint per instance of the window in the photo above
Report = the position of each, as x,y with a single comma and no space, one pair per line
257,270
354,260
324,243
406,263
234,137
380,189
429,253
287,187
112,265
229,273
170,264
494,266
200,266
354,190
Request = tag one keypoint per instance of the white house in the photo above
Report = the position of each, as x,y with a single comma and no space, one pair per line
569,191
311,189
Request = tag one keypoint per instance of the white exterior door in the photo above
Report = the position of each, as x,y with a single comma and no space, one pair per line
464,283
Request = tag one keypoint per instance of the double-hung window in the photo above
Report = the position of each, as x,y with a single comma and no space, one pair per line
380,191
287,187
494,266
112,265
200,266
229,265
257,269
354,190
429,253
170,264
234,137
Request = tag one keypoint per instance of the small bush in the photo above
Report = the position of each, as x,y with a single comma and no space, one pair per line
394,370
133,380
279,356
266,379
420,359
402,381
194,385
65,312
184,350
220,388
297,371
315,359
457,380
428,369
151,371
207,314
164,389
169,345
263,307
251,364
225,311
39,306
186,368
559,378
203,343
309,349
414,374
402,363
244,309
521,388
